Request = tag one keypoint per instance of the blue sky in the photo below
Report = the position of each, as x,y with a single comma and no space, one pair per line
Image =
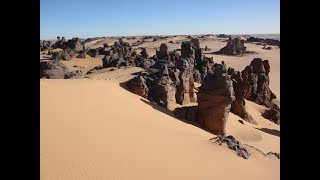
91,18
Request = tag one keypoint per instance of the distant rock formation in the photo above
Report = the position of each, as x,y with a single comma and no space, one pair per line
73,44
272,42
214,100
223,36
45,45
234,47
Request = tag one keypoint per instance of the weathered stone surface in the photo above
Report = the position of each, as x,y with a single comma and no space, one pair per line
93,52
187,50
74,75
214,100
197,76
52,70
233,144
273,114
185,89
144,53
189,113
74,44
163,53
256,82
238,105
138,86
163,93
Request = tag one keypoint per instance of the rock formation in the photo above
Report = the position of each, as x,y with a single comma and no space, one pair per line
214,100
163,93
234,47
163,53
52,70
233,144
185,89
144,53
189,113
273,114
256,82
238,105
187,50
138,86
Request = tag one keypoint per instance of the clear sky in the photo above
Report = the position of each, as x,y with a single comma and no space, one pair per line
92,18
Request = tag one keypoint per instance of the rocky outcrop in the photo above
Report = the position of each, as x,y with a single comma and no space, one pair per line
256,82
272,42
45,45
273,114
238,105
52,70
185,89
144,53
187,49
163,53
234,47
233,144
163,93
214,100
189,113
77,74
138,86
74,44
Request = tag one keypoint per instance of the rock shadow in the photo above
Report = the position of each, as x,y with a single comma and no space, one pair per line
270,131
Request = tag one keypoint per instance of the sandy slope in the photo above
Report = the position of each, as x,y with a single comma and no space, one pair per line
94,129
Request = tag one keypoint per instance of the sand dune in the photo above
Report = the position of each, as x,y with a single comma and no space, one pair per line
94,129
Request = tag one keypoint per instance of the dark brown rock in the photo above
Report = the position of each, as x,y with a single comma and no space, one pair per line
52,70
273,114
189,113
256,82
138,86
163,53
144,53
214,100
163,93
187,50
238,105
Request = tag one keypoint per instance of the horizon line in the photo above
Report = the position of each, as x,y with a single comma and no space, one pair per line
161,35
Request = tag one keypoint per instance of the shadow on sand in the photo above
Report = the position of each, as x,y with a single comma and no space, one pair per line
270,131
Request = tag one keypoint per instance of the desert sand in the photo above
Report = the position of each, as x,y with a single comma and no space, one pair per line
93,128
